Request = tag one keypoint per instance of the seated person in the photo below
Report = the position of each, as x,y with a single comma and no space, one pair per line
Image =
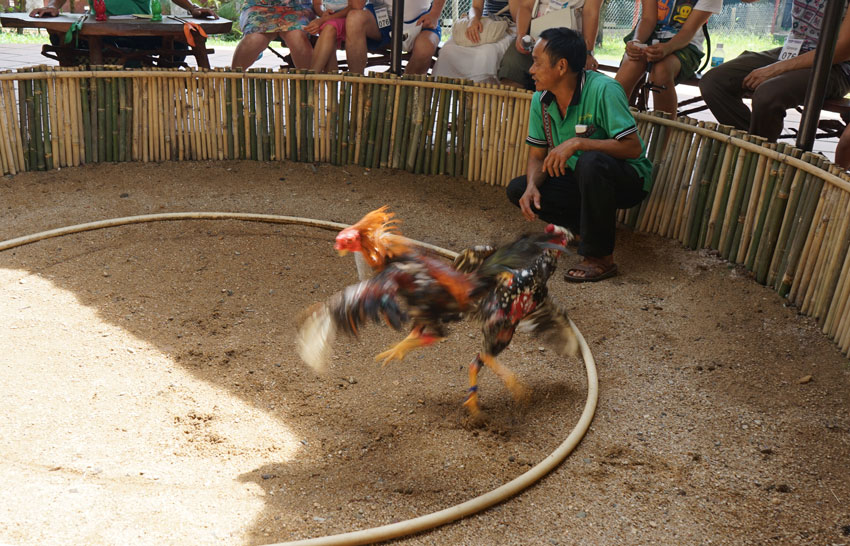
126,7
776,85
515,65
667,43
367,27
479,63
329,24
574,181
262,21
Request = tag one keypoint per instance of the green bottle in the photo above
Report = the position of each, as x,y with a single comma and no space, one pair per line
156,10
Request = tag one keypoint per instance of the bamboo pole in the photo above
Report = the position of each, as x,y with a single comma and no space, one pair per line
390,112
37,124
833,258
61,119
415,129
813,248
13,121
741,208
800,235
819,258
706,202
787,224
673,226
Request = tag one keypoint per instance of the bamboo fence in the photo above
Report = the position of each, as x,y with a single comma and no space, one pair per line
782,214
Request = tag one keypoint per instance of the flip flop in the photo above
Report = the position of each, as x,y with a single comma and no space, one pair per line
592,273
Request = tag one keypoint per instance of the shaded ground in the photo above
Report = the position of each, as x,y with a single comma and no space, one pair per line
151,393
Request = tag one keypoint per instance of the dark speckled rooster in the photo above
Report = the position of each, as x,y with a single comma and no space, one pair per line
519,300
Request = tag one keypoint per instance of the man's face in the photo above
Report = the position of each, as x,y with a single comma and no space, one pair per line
544,74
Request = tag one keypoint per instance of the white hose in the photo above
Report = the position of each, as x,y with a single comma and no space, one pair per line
421,523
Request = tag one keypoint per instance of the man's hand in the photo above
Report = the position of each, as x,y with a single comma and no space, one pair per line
657,52
198,12
429,20
530,198
474,29
313,26
518,45
635,50
761,75
590,63
45,12
555,163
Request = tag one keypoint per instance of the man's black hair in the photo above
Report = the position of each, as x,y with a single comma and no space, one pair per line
565,43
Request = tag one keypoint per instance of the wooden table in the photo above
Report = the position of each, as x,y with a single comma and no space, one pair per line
121,25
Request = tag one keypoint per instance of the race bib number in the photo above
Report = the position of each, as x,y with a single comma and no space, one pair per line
791,48
383,17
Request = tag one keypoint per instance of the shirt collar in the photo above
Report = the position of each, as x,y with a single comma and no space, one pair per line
548,97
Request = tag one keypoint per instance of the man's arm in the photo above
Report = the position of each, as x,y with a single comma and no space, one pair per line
806,60
50,10
589,29
627,147
196,12
695,21
535,175
521,12
432,18
474,28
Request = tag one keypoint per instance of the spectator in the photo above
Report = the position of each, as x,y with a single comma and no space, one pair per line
330,26
127,7
367,26
479,63
776,85
667,43
515,65
579,182
262,21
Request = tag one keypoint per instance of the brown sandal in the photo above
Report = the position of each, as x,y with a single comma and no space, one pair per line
592,272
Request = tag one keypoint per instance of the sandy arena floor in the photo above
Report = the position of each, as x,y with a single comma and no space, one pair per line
152,395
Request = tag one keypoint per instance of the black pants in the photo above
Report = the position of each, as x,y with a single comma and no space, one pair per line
586,200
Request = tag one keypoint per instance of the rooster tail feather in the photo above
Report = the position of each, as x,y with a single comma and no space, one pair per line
315,337
550,321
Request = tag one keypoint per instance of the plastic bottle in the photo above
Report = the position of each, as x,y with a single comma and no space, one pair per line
527,43
717,56
156,10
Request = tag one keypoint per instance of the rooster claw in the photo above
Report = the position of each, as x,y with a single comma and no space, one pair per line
390,355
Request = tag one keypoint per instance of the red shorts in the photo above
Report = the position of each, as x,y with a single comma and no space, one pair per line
339,25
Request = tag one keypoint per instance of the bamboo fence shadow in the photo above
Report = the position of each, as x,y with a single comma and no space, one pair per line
781,213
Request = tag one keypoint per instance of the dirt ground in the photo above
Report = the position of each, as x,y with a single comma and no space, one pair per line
151,394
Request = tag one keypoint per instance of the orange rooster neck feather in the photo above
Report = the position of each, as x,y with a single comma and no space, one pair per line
379,237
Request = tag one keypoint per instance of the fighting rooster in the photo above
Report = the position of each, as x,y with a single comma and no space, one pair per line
519,300
500,287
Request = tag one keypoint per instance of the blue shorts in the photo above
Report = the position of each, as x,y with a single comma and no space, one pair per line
384,42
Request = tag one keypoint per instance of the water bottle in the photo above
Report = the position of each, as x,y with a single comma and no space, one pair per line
156,10
527,43
717,57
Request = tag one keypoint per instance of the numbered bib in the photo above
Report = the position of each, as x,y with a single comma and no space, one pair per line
383,17
791,48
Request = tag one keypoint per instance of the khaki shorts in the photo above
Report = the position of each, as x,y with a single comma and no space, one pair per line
515,67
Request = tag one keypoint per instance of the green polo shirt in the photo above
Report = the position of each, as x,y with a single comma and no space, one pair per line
600,103
127,7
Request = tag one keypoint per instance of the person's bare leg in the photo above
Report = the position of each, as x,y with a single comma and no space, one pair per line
298,43
842,150
423,50
629,74
249,48
359,24
664,74
325,49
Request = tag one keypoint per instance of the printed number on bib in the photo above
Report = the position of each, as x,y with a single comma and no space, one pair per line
791,48
383,17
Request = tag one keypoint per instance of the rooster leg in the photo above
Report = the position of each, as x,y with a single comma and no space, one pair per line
415,339
471,402
519,391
